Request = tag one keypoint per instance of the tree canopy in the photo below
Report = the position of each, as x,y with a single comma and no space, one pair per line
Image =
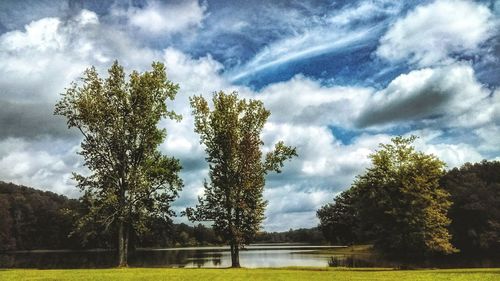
130,178
398,203
475,213
233,198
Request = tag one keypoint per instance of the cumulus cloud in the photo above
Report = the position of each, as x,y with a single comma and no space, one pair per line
442,94
45,163
302,100
157,18
454,153
434,32
37,63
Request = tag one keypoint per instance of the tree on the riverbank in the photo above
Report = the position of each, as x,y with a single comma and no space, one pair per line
399,204
233,199
130,179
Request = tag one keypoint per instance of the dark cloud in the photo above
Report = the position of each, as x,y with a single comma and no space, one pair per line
425,104
428,96
31,120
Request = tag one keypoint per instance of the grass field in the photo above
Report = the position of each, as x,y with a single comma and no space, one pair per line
316,274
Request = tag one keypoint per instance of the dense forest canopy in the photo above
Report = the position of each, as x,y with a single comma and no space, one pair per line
475,213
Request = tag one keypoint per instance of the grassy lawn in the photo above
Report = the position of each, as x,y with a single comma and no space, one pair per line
316,274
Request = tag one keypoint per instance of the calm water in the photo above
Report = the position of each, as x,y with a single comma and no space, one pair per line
270,255
276,255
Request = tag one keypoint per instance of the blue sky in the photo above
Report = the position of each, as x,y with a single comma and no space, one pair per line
339,77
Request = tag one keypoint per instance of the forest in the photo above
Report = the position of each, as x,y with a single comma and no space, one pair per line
32,219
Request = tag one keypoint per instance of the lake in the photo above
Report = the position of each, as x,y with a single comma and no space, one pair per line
256,255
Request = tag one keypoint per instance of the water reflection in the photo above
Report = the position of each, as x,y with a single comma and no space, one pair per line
213,257
253,256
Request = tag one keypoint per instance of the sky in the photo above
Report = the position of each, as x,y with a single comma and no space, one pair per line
339,77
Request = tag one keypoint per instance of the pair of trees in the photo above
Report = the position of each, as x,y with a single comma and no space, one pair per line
398,204
131,180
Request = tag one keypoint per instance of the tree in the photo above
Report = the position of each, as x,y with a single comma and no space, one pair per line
400,203
475,213
233,199
338,220
130,179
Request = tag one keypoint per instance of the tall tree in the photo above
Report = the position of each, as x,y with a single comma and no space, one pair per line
233,198
130,179
400,203
475,213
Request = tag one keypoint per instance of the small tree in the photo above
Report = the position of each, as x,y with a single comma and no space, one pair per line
130,179
233,198
400,203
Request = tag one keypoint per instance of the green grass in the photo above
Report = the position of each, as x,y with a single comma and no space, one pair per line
316,274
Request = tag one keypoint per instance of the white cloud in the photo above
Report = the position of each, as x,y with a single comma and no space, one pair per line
432,33
489,137
159,19
454,152
302,100
37,63
195,76
39,164
450,96
39,35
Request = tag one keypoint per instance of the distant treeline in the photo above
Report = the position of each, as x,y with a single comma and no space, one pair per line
35,219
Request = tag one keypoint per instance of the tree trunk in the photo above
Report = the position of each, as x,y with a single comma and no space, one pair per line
235,255
125,243
122,248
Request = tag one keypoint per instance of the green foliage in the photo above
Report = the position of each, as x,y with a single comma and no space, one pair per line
398,203
233,198
338,220
130,179
302,235
401,205
475,213
33,219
